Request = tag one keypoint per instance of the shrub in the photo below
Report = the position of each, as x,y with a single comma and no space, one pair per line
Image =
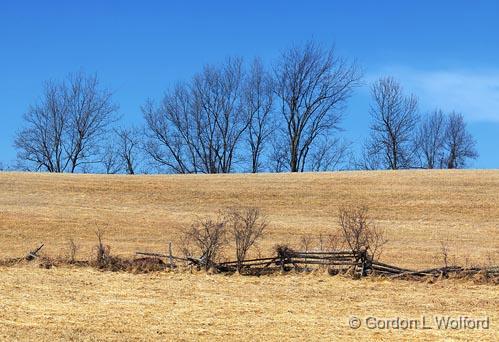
102,251
359,232
208,236
245,227
72,250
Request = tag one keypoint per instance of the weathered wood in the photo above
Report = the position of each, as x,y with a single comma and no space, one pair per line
324,253
361,263
245,261
34,254
332,263
160,255
417,274
253,264
385,269
322,258
391,266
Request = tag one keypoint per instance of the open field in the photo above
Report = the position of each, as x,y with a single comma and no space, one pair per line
85,304
418,209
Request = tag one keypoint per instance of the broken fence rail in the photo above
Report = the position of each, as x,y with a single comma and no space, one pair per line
360,262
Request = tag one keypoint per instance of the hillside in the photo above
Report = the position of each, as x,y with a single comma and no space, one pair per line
418,209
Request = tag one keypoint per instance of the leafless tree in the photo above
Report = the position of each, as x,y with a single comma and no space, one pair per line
245,226
258,102
329,154
64,129
354,225
312,85
218,91
278,158
394,118
459,143
359,232
110,158
198,126
209,236
430,140
129,140
172,134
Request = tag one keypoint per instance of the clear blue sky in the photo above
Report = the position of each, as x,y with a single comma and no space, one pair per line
446,52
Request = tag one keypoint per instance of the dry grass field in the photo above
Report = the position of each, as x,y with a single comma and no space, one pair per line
85,304
418,209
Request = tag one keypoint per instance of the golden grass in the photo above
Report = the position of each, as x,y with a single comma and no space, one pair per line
85,304
417,208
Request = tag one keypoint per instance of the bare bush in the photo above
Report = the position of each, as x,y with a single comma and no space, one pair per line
186,245
306,242
73,248
335,241
102,251
209,236
359,232
444,250
245,227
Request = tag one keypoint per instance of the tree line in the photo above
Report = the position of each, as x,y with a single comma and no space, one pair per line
240,117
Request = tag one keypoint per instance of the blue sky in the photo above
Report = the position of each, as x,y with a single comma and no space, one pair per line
446,52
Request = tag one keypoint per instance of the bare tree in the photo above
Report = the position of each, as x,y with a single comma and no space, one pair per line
312,85
129,141
258,102
359,232
64,129
110,158
245,227
394,118
278,157
329,154
198,126
209,237
459,143
172,131
430,140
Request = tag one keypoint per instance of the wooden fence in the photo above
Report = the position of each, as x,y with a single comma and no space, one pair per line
357,263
